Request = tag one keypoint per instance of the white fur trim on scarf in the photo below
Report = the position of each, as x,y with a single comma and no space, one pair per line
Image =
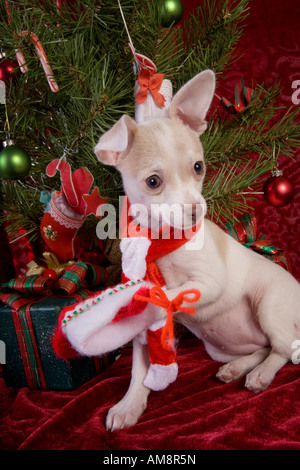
134,251
160,377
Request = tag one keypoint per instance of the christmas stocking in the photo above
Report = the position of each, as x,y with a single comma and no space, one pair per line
59,227
105,321
67,209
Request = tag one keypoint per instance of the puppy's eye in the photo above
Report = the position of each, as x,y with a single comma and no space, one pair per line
153,182
198,168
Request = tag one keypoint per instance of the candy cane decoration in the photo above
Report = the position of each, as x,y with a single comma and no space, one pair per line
21,60
43,58
19,53
40,52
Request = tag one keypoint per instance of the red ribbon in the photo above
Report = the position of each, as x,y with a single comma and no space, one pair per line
245,231
158,297
150,82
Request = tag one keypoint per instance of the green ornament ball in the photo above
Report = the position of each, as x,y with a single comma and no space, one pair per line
171,11
15,163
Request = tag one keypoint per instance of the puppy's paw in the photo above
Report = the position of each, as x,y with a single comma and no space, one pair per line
124,415
230,372
258,380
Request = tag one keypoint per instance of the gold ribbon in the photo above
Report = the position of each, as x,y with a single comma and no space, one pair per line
51,261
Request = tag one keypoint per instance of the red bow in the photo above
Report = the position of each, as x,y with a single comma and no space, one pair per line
150,82
158,297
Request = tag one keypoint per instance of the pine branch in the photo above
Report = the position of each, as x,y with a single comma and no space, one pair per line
232,145
258,129
229,189
212,33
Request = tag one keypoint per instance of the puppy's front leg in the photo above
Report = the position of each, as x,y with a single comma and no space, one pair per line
129,409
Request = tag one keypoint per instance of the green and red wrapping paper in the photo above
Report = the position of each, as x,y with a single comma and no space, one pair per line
28,320
245,231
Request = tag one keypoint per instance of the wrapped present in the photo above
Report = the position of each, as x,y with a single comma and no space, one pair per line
245,231
28,317
62,277
30,359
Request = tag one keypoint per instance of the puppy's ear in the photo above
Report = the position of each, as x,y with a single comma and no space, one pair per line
193,100
115,143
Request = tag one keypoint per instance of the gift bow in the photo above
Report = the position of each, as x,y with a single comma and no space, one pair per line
151,82
75,277
158,297
243,96
51,261
245,231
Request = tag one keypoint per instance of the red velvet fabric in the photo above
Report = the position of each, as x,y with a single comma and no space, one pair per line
197,411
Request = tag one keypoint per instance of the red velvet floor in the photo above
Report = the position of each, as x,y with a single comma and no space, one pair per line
197,411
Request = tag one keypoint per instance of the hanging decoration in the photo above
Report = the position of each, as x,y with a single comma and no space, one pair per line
243,96
150,83
170,12
8,68
153,93
43,59
15,162
140,61
278,190
68,208
40,53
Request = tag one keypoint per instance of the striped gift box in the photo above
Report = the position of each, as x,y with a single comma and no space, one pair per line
28,317
30,359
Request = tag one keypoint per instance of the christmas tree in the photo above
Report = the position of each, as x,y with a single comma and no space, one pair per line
89,86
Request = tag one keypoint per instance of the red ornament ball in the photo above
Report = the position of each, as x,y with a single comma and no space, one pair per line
50,274
9,69
278,190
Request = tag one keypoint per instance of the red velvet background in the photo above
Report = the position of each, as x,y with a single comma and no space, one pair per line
197,411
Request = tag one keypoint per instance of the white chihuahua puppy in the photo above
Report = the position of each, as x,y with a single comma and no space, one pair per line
248,315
